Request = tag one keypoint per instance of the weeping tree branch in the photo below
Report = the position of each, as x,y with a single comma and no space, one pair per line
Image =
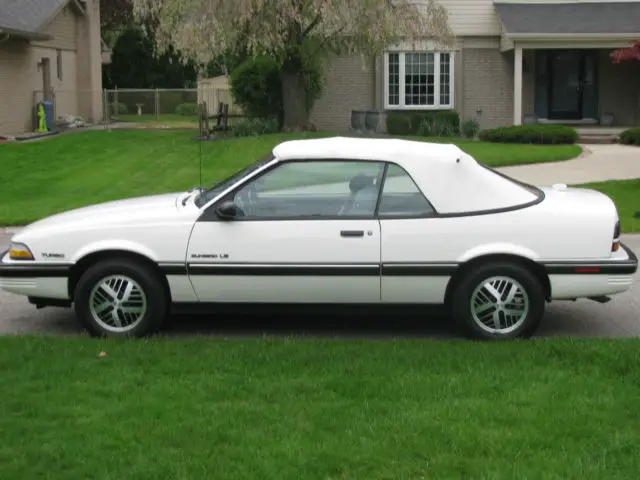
287,30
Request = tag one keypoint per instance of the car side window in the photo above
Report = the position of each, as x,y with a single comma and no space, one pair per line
314,190
401,197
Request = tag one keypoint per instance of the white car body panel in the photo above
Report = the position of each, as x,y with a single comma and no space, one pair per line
292,249
396,260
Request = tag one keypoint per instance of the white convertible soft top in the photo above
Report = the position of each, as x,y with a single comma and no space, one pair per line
452,180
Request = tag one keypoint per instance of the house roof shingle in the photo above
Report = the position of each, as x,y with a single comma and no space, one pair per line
570,18
27,16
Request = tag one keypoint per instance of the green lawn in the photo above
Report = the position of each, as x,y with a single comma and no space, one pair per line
626,194
82,168
319,409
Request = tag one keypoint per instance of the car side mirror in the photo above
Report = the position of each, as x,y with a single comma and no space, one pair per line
228,210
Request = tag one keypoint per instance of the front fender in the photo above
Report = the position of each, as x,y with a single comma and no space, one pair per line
114,244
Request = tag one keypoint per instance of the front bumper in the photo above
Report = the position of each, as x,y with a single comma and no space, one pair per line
35,279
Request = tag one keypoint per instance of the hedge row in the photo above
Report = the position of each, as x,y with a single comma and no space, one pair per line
539,134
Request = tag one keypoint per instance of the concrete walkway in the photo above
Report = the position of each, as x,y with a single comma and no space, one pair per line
597,163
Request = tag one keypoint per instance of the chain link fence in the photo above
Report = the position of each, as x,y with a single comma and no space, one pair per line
168,108
177,108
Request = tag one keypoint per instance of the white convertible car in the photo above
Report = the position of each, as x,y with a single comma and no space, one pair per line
331,221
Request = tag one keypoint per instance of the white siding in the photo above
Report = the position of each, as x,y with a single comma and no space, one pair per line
472,17
16,95
64,30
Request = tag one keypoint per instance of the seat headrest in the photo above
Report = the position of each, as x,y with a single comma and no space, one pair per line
360,181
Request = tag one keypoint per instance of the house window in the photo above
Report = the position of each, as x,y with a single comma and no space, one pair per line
418,80
59,63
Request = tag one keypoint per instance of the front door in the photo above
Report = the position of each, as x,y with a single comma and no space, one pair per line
571,84
566,83
307,234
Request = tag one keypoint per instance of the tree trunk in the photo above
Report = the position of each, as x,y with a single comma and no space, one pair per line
294,100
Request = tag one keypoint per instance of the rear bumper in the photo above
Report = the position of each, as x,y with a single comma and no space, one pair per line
570,280
35,279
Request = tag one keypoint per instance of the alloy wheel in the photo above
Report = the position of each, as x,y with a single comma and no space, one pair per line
117,303
499,305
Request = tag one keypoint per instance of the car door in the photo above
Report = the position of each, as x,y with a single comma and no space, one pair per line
412,268
307,233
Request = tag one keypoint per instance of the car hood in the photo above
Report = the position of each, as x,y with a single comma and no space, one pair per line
133,211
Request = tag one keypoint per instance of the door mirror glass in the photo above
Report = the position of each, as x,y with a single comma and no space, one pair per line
228,210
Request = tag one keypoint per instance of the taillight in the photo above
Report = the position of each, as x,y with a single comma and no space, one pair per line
616,237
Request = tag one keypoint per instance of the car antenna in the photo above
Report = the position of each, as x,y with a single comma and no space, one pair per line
200,140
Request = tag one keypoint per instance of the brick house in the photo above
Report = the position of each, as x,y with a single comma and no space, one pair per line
513,62
49,49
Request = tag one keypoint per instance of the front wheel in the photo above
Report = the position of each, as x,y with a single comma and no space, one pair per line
120,298
499,301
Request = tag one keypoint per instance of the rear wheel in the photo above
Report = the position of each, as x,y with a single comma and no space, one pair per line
499,301
120,298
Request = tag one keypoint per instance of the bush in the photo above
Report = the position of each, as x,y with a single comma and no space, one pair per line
255,126
445,123
188,109
470,128
255,86
539,134
630,136
121,108
398,124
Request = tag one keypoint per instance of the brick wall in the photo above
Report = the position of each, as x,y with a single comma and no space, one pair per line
487,85
349,85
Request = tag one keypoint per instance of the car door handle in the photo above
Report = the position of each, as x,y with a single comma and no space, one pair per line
352,233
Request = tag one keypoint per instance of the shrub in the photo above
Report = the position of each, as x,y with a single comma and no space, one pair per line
470,128
188,109
256,88
121,108
443,123
630,136
539,134
255,126
398,124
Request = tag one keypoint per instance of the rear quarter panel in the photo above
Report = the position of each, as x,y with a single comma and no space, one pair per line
572,225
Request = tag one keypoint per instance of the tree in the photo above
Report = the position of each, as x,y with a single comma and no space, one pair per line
291,31
135,63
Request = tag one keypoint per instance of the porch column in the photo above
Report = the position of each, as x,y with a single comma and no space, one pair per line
517,85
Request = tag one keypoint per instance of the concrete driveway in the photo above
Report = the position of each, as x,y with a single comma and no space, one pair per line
584,318
597,163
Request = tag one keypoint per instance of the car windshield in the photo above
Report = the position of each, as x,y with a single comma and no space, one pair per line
217,188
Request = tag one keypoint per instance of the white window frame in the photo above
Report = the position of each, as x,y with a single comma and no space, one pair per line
436,58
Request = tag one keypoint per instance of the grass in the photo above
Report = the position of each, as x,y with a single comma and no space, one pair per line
82,168
318,409
626,195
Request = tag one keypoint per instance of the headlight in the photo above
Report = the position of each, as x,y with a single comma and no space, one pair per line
20,251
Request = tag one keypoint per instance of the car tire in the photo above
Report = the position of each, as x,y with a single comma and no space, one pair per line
479,312
140,305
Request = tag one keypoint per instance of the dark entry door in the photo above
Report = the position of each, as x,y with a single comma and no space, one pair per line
566,77
572,84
